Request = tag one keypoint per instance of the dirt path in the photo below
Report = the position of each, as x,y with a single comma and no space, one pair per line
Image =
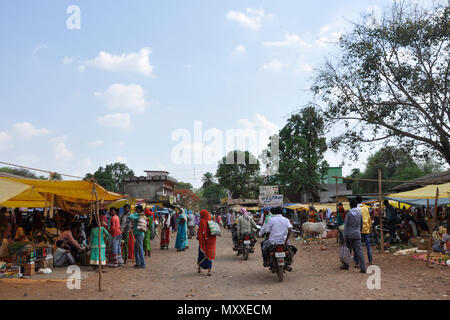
316,275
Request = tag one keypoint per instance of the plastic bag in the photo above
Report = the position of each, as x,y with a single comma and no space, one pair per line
345,255
214,228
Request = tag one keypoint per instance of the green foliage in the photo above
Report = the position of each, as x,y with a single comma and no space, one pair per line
391,82
239,173
395,164
207,180
302,144
111,177
184,185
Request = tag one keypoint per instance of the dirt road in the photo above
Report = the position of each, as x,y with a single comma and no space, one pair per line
316,275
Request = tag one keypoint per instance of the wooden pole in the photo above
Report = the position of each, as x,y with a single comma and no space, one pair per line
380,196
430,239
337,208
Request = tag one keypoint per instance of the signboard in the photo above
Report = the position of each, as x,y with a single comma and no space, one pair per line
170,199
268,190
274,200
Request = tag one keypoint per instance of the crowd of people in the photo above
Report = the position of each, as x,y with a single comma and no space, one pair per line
117,236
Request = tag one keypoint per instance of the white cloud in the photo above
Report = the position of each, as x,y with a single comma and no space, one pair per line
96,143
290,40
274,65
67,60
259,123
325,29
122,96
116,120
60,150
81,68
240,50
252,19
26,130
133,62
5,139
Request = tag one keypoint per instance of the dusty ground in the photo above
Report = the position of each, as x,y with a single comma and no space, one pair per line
316,275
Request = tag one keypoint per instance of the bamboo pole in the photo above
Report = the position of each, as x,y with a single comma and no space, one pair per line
380,196
430,239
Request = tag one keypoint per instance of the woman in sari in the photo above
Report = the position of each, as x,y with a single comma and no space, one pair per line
149,233
181,241
165,231
94,245
207,243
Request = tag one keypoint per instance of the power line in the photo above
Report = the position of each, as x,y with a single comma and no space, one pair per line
40,170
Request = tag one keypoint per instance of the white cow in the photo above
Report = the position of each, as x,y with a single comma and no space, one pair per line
313,228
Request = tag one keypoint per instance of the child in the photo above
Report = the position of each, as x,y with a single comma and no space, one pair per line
62,255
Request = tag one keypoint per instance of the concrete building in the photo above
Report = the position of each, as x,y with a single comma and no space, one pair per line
157,186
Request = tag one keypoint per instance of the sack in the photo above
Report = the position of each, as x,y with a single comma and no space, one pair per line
345,255
341,228
214,228
142,224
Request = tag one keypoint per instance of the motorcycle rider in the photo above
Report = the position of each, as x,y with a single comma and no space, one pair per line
279,229
245,224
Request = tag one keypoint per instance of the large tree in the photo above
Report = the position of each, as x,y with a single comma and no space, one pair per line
395,164
302,145
111,177
239,173
390,82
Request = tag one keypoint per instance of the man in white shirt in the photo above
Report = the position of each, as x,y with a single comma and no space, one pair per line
279,229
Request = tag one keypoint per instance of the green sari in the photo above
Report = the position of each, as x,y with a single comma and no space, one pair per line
148,235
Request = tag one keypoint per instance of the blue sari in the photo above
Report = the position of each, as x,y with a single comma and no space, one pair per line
181,241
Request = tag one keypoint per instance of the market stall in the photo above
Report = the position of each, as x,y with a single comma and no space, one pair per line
27,250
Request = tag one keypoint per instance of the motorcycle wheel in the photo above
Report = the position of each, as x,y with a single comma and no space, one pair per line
245,255
280,274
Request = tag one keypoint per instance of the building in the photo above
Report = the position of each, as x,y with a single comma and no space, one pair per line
327,191
156,187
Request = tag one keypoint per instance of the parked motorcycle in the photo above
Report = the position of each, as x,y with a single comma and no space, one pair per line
281,258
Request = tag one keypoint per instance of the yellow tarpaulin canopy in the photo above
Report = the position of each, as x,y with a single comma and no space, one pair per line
10,189
427,192
120,203
81,191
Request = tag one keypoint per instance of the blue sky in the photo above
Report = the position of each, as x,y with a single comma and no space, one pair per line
136,71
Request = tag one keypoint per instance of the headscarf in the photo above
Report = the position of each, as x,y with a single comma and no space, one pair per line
206,241
148,212
244,212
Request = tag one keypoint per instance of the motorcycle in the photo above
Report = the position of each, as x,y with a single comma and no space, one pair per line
246,245
280,259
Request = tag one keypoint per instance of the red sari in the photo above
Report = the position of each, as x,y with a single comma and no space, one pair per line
207,242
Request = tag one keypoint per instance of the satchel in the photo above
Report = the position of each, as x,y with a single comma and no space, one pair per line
214,228
142,224
345,255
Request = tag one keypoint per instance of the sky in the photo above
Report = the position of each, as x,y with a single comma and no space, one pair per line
87,83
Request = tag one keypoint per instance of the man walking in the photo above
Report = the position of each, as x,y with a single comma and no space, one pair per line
367,224
352,235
